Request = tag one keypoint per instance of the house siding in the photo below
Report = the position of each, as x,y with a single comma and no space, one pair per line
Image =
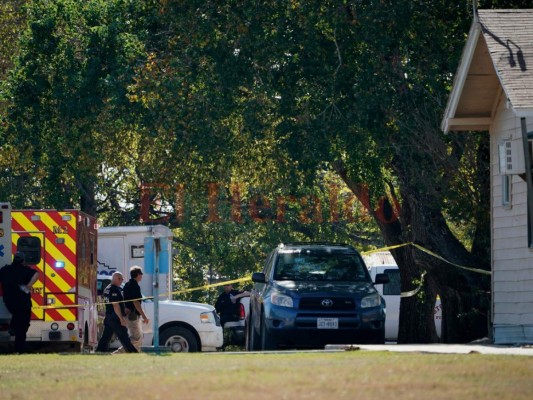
512,260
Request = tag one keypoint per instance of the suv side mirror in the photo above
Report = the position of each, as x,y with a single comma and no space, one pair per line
381,279
258,277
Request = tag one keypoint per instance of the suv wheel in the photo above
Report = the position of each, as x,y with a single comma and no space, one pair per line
252,338
375,337
267,343
380,337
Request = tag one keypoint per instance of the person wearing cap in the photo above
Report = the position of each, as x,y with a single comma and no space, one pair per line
115,320
17,280
134,310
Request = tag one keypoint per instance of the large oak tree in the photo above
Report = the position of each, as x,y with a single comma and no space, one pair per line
108,97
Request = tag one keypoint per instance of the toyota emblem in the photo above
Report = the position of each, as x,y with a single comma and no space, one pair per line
327,303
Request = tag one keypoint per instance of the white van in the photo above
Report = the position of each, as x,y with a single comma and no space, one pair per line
383,263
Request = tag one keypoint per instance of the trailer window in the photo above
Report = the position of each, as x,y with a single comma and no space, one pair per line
31,247
392,288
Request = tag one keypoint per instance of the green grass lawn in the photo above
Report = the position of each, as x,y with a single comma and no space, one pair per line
338,375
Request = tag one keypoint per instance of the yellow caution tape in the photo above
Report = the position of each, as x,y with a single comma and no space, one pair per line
212,285
248,278
421,284
245,279
364,253
87,304
477,270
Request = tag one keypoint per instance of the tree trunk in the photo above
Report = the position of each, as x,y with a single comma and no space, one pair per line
87,197
423,225
457,287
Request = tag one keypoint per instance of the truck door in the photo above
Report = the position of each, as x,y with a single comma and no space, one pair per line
391,294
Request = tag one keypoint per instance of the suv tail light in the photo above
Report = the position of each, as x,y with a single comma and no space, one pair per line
242,314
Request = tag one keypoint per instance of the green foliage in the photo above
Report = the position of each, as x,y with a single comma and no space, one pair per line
68,92
111,95
214,111
229,236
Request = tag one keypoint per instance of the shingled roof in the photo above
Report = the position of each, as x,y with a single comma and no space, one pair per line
498,56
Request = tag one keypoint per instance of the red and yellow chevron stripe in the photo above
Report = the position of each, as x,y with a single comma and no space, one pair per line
57,232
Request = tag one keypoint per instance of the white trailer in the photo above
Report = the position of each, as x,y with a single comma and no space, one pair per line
122,247
183,326
382,262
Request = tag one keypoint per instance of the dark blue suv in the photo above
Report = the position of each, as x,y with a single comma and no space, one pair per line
313,294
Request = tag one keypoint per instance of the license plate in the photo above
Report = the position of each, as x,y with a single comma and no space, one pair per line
327,323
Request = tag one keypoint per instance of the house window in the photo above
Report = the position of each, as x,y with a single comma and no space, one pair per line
506,190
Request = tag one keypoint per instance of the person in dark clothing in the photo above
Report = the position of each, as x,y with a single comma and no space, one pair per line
227,306
115,321
132,291
17,280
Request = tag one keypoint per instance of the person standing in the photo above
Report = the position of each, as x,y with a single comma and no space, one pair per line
17,280
227,306
115,321
134,310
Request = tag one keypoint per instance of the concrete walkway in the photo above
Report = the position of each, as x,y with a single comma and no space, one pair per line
526,350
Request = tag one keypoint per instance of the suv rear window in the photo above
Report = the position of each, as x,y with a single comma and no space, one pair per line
319,265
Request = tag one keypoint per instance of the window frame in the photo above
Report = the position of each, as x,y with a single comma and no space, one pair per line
386,286
31,247
507,186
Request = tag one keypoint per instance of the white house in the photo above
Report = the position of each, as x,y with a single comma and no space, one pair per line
493,91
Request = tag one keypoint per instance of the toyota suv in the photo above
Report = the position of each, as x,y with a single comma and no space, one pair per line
313,294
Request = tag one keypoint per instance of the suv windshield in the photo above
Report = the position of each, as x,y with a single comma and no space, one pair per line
319,265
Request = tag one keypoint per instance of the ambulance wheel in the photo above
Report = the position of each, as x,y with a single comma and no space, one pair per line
180,340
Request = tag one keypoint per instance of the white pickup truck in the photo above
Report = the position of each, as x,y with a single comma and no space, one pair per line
183,326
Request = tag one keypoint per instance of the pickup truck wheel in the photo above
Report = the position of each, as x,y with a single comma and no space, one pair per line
180,340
